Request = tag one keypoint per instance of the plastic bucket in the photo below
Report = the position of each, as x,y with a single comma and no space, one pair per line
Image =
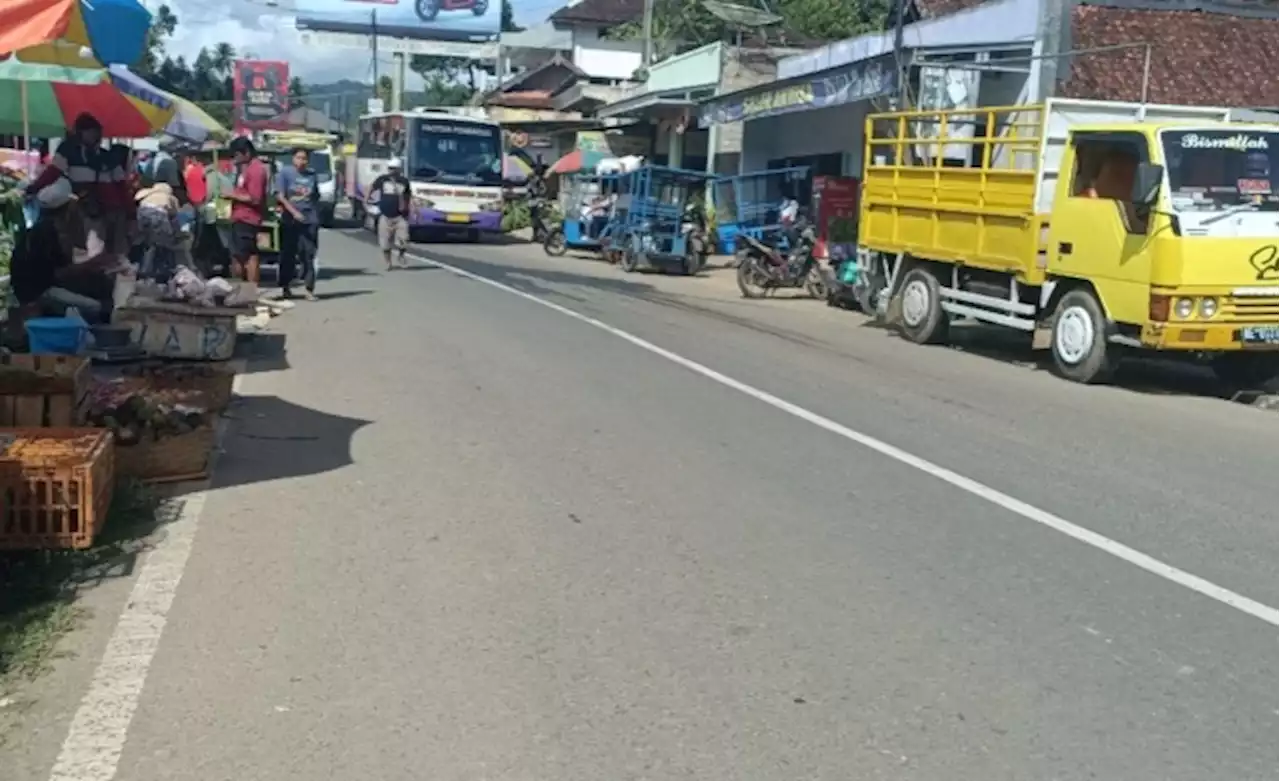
56,335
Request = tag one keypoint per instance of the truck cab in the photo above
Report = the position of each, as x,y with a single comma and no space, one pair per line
1172,231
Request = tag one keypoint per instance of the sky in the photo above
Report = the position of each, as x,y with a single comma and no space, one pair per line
257,29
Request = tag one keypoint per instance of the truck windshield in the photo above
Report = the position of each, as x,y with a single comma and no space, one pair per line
1213,170
456,152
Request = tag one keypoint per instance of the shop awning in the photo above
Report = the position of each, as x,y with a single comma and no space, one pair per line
657,103
875,77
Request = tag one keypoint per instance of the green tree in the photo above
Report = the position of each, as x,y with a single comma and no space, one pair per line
680,25
453,80
223,59
833,19
384,89
163,23
509,19
297,92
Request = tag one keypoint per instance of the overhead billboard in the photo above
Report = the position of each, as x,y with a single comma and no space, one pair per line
438,20
260,95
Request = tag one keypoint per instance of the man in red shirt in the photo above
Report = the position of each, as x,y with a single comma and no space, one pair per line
248,203
197,190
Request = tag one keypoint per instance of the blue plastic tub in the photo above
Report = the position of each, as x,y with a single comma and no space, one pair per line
56,335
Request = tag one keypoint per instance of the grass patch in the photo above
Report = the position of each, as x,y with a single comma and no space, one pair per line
38,588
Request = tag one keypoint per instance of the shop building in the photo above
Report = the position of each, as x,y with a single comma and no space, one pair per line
666,103
813,113
969,53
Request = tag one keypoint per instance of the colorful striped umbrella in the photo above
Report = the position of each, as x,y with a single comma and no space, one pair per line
44,101
114,31
577,160
189,122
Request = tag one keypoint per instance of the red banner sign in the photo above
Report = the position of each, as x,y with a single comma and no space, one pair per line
836,199
260,89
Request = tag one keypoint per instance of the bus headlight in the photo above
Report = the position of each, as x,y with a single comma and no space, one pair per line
422,203
1208,308
491,206
1184,308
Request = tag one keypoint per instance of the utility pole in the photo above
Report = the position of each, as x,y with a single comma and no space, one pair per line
899,53
373,45
397,81
648,34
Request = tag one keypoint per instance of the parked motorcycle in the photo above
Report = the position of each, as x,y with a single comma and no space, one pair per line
763,269
538,210
697,239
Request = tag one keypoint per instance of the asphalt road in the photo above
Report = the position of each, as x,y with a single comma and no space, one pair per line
457,534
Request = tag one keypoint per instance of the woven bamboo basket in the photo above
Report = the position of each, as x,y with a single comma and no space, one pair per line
169,459
213,381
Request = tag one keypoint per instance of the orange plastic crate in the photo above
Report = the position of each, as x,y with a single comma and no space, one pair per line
58,484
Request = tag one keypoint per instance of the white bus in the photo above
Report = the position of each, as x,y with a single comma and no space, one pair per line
453,162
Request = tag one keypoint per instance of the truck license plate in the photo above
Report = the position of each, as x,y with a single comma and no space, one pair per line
458,218
1260,334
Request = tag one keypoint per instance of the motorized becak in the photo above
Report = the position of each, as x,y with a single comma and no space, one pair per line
750,204
655,220
588,203
427,10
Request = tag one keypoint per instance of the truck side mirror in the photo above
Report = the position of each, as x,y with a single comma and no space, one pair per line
1146,184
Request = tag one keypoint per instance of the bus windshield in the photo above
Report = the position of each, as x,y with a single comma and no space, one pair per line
460,152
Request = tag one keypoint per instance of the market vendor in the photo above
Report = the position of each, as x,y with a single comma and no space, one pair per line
45,278
99,180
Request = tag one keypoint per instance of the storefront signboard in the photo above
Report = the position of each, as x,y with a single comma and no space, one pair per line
863,80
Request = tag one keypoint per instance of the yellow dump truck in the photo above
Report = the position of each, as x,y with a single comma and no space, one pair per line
1101,228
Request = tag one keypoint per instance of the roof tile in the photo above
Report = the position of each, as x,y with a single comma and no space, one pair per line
600,12
1197,58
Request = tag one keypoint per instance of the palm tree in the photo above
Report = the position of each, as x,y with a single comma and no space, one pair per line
296,92
223,59
163,23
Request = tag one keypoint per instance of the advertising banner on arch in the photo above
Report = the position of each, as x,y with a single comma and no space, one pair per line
432,20
260,91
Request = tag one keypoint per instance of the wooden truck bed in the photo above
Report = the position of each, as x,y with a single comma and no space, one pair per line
954,185
976,186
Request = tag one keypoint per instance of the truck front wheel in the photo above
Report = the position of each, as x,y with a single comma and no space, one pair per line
923,320
1080,348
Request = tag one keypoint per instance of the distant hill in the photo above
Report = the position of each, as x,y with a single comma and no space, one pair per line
346,99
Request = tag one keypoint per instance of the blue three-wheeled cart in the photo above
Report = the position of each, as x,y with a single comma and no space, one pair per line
660,222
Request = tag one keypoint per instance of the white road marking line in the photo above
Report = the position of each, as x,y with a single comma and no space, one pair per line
95,740
999,498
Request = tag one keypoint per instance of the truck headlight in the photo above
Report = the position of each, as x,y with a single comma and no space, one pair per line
1184,308
1208,308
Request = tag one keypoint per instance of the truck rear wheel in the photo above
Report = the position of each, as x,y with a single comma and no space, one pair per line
1079,344
923,320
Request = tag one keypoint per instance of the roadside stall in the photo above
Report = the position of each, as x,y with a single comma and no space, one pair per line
82,410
